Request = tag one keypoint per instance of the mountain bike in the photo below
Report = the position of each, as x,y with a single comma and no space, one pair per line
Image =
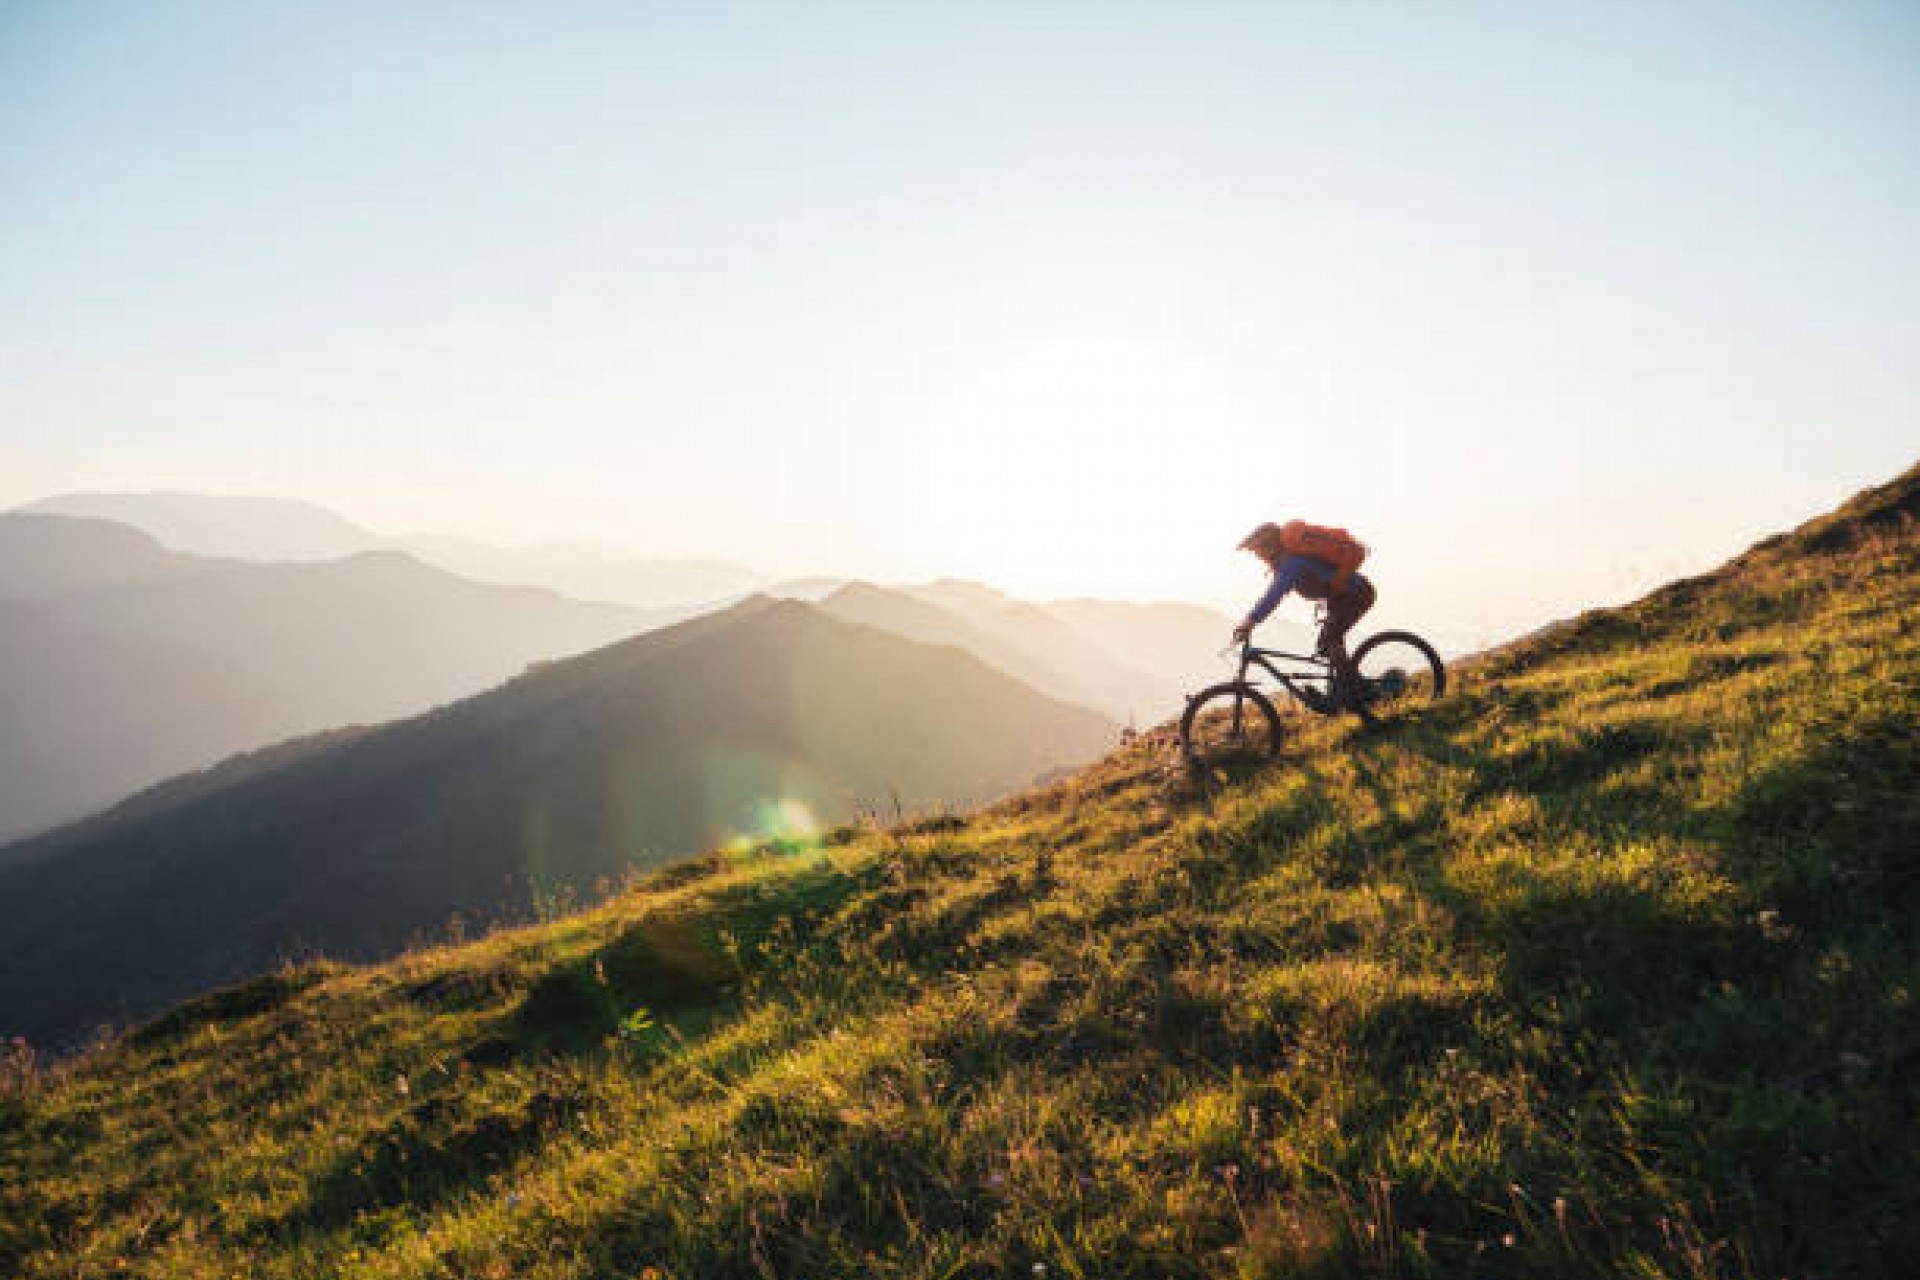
1388,675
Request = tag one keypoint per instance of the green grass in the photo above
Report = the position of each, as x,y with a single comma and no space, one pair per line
1604,966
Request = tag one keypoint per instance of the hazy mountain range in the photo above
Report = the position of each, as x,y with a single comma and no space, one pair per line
122,662
146,634
279,529
766,717
1172,643
1021,639
241,527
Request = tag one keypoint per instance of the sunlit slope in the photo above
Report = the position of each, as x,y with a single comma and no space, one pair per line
766,717
1605,967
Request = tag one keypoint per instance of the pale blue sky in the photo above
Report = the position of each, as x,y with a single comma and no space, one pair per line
1061,296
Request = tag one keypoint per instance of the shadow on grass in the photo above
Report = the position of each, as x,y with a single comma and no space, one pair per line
1832,835
439,1148
679,968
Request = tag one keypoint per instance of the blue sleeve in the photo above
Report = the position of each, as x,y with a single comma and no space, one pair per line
1285,578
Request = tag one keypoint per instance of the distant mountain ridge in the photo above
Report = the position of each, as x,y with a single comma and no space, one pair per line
283,529
125,661
122,663
1128,659
1094,675
1178,642
743,723
241,526
1067,667
1132,660
50,555
589,571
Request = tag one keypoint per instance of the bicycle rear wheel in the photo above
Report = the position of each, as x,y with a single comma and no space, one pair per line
1229,723
1395,672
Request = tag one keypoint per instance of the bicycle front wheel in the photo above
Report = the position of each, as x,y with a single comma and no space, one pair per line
1229,723
1395,672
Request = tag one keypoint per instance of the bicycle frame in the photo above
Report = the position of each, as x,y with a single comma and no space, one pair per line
1321,672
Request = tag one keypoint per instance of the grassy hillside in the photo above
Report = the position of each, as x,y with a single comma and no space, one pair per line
1604,967
759,719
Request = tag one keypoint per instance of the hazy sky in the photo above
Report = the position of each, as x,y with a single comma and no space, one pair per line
1548,302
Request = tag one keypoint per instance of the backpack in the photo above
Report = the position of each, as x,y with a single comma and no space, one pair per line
1336,547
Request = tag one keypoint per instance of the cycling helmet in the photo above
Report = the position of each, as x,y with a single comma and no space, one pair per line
1263,541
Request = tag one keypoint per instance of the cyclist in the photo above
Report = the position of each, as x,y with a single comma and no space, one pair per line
1346,596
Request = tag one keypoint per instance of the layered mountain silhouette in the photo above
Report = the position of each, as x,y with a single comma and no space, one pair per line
1125,658
124,659
1132,660
1032,641
43,556
122,662
1177,642
770,717
589,571
1020,641
243,527
280,529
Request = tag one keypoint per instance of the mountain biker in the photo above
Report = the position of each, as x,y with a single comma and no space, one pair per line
1346,596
